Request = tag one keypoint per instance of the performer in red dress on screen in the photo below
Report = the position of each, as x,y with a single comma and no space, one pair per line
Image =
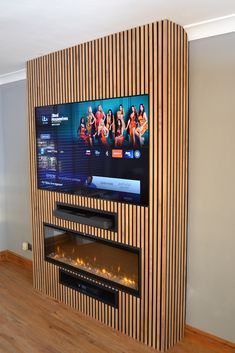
121,115
119,138
90,125
82,130
110,124
98,116
132,122
103,133
142,124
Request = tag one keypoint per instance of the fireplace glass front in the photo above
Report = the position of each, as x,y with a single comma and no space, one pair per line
109,262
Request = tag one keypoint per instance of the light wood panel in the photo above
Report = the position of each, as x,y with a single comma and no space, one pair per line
150,59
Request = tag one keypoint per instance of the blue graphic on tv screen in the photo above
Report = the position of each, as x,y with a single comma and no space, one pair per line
45,136
137,154
45,120
129,154
97,153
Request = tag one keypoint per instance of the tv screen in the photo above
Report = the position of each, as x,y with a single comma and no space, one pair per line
96,148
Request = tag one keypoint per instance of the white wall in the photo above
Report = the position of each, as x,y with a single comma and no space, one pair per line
3,245
211,236
15,131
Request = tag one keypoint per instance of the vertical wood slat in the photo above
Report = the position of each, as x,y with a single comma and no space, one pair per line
185,171
150,59
170,170
159,186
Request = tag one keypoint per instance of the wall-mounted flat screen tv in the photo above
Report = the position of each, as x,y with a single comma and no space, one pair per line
96,148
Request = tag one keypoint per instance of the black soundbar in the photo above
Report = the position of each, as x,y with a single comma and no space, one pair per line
89,216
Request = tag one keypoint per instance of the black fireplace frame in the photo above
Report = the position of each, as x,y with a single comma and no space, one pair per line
88,275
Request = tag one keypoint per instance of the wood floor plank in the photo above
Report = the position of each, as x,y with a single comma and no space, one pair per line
33,323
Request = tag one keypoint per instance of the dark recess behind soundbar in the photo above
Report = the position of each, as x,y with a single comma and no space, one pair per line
88,216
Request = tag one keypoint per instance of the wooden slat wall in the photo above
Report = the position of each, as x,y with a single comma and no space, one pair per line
151,59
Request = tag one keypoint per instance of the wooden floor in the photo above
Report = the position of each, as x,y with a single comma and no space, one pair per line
32,323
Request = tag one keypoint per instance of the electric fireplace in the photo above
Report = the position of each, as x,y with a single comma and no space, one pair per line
106,261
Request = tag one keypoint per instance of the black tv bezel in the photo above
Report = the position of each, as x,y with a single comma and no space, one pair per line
78,194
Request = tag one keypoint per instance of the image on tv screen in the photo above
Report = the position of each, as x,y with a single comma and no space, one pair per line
96,148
